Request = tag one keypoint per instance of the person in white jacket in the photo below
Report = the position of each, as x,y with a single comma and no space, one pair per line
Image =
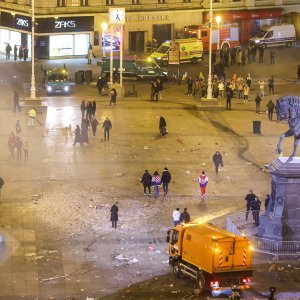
176,216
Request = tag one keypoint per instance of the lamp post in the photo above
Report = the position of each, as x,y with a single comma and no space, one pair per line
32,88
218,20
104,28
209,88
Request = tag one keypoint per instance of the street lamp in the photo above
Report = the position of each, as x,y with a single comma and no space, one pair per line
104,28
218,20
32,88
209,88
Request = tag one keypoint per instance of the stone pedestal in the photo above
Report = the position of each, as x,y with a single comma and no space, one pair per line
282,218
209,104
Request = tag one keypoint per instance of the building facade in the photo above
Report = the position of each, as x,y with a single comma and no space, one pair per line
65,27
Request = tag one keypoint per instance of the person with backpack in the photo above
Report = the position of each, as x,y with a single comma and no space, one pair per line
156,181
250,198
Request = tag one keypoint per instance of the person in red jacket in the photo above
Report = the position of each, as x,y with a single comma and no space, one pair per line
203,181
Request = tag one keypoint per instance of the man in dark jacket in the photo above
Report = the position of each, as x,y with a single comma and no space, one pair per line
107,127
114,215
270,107
185,217
218,160
267,201
1,185
165,179
257,102
113,96
77,136
255,211
162,126
250,198
100,84
16,101
146,181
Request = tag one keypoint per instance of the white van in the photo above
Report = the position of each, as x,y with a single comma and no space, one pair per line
277,35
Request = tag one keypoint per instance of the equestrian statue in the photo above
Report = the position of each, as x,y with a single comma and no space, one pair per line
288,108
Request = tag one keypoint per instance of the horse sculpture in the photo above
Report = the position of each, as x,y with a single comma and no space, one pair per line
288,108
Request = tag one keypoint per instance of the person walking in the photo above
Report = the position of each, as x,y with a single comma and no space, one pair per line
146,181
77,136
272,57
250,198
114,218
21,52
94,124
165,179
261,85
257,104
159,88
15,53
162,126
89,111
11,143
7,51
228,100
31,117
185,217
19,146
90,54
221,89
267,201
25,53
176,216
249,80
261,54
1,185
16,101
26,150
83,109
246,93
203,181
298,73
270,107
113,96
107,125
218,161
190,83
271,82
100,84
94,108
156,182
84,131
256,210
18,127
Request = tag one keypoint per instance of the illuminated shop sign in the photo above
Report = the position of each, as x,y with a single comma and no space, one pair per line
135,18
22,22
65,24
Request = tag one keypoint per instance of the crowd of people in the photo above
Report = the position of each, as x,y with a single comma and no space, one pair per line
89,121
21,52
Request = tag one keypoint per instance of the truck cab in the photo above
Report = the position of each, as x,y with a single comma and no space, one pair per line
56,81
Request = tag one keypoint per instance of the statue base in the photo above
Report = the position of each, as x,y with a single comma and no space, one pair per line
281,221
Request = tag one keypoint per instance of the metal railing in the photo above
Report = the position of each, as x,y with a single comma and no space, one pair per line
237,225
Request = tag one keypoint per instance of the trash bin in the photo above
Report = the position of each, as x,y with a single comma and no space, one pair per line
256,126
79,76
88,76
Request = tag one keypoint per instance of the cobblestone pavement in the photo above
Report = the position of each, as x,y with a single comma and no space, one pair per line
56,243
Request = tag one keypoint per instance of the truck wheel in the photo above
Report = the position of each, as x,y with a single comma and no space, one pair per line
288,44
201,282
176,270
194,60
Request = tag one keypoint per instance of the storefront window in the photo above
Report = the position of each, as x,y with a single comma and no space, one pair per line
69,44
61,45
81,44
